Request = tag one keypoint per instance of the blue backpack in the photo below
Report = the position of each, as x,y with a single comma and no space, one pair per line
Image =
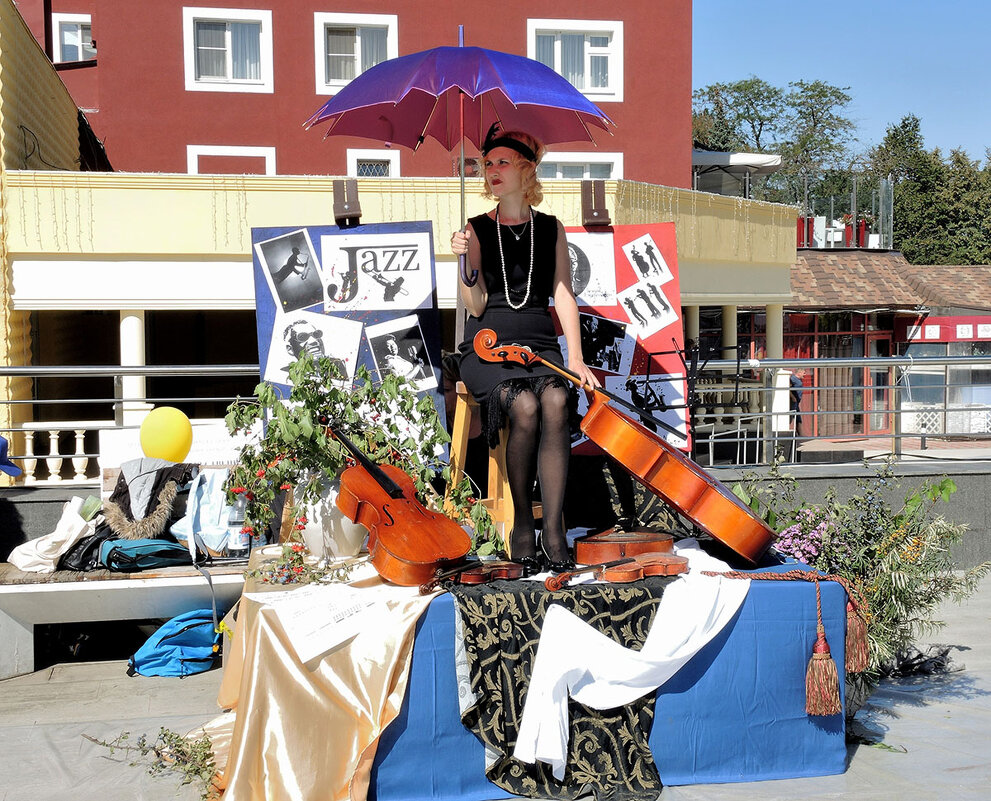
189,643
129,556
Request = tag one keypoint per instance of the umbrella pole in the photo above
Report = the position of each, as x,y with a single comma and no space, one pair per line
459,314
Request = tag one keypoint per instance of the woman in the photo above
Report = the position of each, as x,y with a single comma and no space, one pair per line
517,260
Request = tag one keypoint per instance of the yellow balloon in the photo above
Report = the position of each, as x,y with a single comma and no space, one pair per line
166,433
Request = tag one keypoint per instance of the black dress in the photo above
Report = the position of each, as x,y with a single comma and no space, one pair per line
531,325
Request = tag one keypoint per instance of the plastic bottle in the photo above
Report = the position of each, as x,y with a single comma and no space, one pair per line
238,542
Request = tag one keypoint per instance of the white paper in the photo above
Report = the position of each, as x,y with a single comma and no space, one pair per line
319,617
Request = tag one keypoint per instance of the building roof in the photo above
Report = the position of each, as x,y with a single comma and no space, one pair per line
853,279
958,286
875,279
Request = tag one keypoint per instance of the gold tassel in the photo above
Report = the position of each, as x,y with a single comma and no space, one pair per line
822,682
856,639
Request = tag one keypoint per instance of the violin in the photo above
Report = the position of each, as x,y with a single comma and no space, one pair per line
624,571
477,573
407,543
651,460
607,546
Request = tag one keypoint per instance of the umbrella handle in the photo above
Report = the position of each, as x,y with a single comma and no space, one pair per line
467,280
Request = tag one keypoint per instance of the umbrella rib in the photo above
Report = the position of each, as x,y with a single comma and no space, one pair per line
430,116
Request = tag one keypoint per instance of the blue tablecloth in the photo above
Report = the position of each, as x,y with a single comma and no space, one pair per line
735,713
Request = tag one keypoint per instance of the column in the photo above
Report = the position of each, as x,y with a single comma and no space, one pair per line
132,410
729,333
775,331
691,323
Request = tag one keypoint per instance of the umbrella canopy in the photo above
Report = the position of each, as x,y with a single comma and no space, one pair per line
406,99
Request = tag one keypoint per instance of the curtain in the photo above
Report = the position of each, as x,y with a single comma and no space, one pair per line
373,43
341,44
573,58
246,51
211,48
545,49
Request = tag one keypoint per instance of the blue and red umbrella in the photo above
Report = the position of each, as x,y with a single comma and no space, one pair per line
452,93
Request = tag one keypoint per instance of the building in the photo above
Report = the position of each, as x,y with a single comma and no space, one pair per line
225,89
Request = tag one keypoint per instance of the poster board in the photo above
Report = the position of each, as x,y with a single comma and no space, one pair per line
362,296
625,280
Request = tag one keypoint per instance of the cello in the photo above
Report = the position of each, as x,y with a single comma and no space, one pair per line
407,543
651,460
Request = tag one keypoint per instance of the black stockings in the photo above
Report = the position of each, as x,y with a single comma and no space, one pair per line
539,444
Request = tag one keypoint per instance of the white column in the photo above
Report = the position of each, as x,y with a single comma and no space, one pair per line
691,323
775,331
132,354
729,334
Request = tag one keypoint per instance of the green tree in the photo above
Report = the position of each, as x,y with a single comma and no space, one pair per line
942,206
749,112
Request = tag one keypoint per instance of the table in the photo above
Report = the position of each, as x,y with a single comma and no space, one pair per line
735,713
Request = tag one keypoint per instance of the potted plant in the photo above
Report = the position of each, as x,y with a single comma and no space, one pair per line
291,451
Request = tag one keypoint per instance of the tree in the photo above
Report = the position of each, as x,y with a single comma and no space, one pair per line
805,125
942,207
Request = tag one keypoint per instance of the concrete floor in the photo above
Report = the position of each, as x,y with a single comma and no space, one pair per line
932,732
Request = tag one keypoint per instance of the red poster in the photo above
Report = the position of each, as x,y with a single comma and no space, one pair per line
629,301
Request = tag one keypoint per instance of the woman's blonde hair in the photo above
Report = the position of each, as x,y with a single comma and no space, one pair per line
533,192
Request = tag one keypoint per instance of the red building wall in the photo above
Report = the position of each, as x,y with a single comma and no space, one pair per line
146,117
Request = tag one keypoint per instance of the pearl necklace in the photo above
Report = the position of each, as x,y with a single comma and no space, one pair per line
502,261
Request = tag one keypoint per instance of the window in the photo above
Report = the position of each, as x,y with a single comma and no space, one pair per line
373,163
579,166
345,45
589,53
74,36
227,50
230,153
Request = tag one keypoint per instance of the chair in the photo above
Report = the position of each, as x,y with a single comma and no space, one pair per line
498,499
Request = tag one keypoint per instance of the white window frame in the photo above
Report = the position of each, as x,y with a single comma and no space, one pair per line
190,15
70,19
586,157
193,153
354,155
614,28
320,22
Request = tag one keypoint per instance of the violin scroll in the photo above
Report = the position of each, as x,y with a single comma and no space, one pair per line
487,349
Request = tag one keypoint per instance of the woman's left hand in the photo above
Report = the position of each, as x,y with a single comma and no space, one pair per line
580,369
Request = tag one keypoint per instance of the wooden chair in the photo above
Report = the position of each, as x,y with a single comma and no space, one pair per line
498,499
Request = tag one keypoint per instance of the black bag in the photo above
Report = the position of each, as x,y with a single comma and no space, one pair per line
129,556
85,554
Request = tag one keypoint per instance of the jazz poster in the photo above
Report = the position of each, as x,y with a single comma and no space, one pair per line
625,279
361,296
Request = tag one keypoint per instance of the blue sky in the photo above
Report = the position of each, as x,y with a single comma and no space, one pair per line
931,59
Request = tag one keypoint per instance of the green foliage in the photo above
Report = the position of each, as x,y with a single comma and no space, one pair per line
898,558
170,752
390,422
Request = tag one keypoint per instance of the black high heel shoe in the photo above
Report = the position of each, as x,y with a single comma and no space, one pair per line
532,564
556,566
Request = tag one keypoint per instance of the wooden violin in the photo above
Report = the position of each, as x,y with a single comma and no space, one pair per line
607,546
477,573
407,543
650,459
624,571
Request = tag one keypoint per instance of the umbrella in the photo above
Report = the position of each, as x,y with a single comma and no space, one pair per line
454,92
450,93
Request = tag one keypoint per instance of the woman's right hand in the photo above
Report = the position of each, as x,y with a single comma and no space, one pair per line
459,242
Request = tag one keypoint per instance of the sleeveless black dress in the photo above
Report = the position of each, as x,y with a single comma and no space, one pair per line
530,326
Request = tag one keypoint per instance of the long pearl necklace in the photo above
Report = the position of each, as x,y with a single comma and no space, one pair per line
502,262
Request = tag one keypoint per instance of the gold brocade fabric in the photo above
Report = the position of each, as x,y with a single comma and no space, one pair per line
307,732
608,750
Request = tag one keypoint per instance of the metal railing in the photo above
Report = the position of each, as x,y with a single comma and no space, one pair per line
851,408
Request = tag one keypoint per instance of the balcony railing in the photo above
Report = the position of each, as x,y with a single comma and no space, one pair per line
851,409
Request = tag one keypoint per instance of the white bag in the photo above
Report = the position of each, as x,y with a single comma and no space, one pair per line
207,512
42,554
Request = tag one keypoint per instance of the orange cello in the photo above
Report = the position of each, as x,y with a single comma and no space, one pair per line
650,459
407,543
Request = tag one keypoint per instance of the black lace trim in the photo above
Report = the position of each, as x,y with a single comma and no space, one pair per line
500,401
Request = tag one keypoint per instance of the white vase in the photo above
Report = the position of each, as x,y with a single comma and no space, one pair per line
328,534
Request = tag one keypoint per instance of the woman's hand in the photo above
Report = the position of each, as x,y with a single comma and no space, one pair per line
459,242
580,369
